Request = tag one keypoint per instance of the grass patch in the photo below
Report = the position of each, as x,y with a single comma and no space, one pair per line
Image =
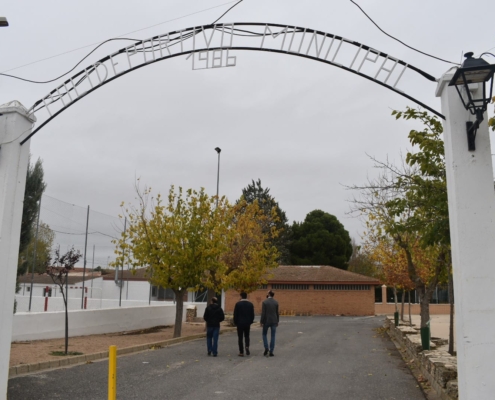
69,353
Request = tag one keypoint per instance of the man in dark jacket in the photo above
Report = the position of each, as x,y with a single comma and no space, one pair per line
269,319
213,316
243,318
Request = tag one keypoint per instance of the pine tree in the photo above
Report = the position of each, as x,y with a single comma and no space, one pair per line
254,191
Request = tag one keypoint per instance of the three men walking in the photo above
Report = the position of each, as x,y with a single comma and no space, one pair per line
243,318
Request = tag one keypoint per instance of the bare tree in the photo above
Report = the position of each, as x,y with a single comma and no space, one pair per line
394,210
59,272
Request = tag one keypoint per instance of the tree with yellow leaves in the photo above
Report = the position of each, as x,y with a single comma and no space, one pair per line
250,250
178,241
190,242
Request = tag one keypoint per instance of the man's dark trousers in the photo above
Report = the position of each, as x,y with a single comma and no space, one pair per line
243,332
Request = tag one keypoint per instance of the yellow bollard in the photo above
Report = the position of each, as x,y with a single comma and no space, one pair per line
112,373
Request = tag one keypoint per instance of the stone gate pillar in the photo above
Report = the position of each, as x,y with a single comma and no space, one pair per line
472,230
15,125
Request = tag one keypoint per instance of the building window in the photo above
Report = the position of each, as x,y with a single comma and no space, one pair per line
281,286
342,287
263,287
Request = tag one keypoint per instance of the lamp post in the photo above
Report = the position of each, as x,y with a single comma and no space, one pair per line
472,224
218,150
474,71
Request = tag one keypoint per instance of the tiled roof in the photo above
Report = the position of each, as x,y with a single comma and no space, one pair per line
139,274
317,274
46,279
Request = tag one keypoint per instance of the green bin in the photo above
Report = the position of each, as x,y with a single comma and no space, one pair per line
396,318
425,336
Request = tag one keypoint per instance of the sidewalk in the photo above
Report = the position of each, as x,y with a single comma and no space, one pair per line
26,357
439,325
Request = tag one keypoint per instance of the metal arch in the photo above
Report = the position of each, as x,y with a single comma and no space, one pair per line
194,31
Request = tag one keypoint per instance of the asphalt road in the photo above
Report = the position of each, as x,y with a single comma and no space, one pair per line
315,358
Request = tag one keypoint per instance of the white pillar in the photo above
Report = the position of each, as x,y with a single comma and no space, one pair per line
15,125
472,231
223,300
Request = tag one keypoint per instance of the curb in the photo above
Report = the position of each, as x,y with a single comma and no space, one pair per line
24,369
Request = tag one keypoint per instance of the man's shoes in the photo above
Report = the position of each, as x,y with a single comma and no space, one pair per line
266,352
209,353
247,351
241,354
214,355
271,354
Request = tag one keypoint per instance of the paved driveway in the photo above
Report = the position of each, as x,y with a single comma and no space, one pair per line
315,358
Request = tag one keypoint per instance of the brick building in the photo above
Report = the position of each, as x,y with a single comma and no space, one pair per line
314,290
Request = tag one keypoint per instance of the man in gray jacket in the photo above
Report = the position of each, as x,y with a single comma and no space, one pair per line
269,319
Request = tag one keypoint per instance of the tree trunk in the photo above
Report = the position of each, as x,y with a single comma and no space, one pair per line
424,305
402,305
66,323
211,294
451,324
179,307
395,299
409,300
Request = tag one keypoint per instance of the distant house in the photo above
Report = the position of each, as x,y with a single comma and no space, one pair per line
136,286
314,290
42,281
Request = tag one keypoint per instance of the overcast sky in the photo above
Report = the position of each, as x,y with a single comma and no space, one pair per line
304,128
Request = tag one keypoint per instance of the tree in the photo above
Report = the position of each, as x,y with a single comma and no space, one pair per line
392,264
250,253
361,261
59,272
384,202
320,240
43,244
35,186
179,242
409,204
267,203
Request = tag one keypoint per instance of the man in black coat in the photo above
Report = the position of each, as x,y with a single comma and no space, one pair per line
213,316
243,318
269,319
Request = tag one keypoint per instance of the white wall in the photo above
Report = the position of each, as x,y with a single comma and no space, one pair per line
132,290
50,325
74,303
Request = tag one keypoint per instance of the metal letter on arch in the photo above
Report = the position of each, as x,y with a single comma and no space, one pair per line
213,46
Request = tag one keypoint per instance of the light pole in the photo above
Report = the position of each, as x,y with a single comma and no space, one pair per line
218,150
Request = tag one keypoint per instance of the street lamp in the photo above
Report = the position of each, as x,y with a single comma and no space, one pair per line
3,21
218,150
474,70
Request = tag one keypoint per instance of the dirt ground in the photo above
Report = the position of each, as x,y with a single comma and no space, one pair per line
39,350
